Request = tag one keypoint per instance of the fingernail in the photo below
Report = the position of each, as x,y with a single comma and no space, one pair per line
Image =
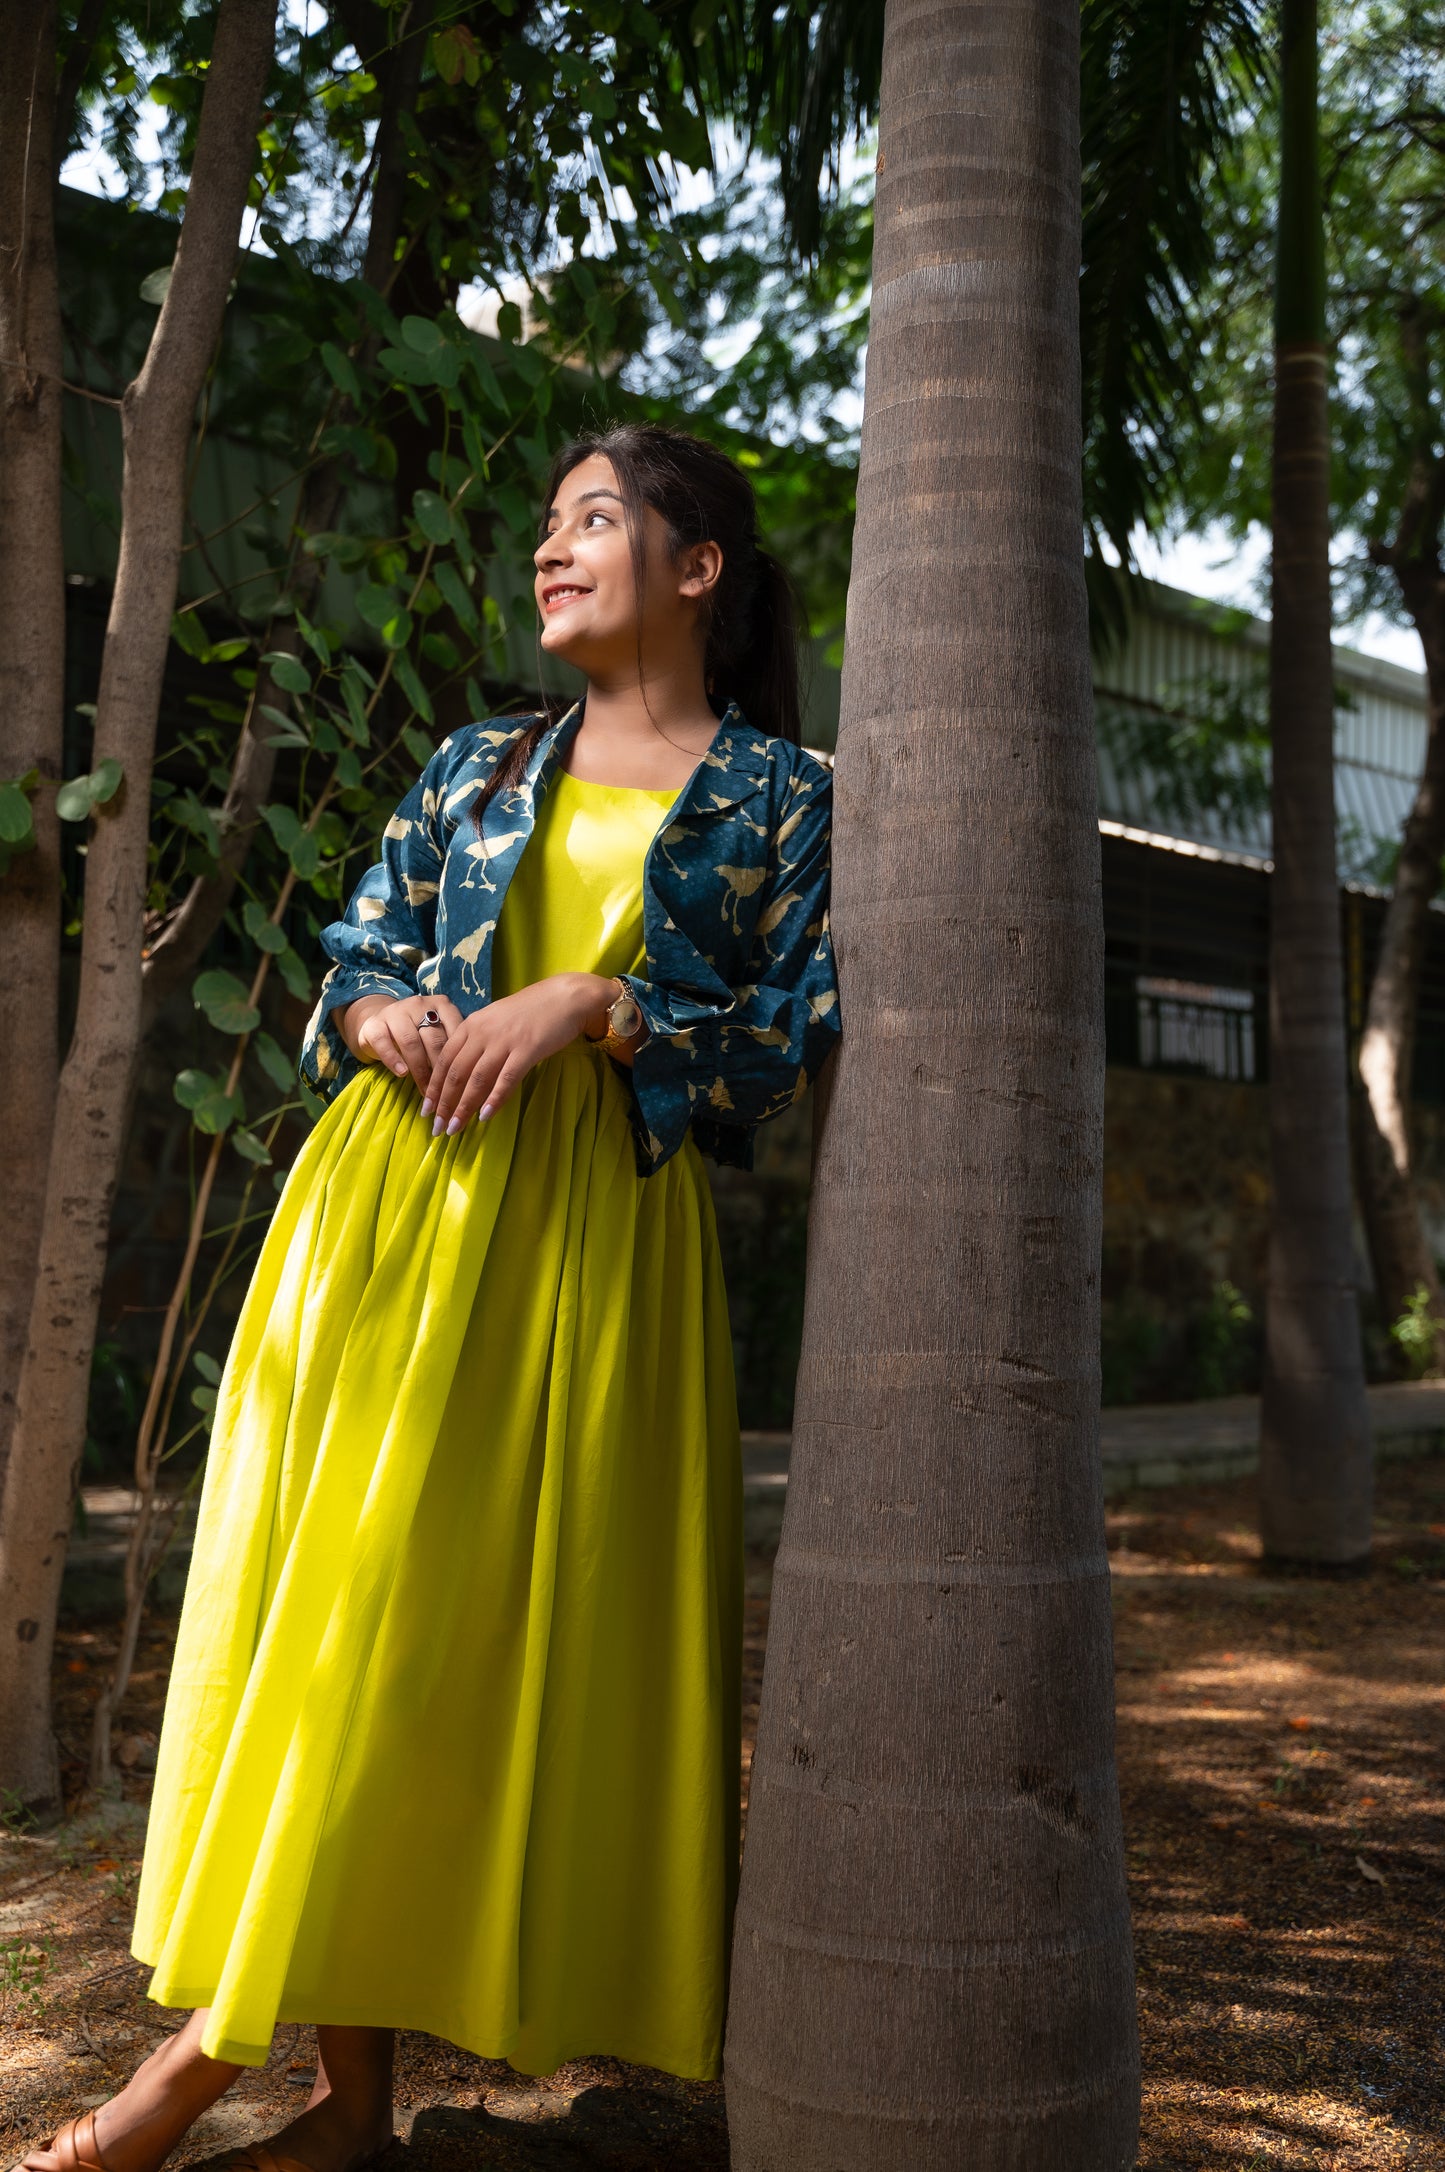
400,1069
453,1124
484,1110
436,1127
427,1106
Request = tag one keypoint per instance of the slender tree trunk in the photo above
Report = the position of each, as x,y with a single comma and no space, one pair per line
32,648
157,413
177,948
1315,1449
931,1964
1400,1253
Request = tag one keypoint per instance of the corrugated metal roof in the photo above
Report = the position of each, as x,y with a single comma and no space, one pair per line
1181,649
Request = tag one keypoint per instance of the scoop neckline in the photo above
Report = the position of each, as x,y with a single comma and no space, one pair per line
650,791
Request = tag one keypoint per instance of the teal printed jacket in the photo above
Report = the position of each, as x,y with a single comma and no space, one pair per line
740,994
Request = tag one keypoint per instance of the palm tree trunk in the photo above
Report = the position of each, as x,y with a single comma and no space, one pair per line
932,1964
1400,1254
1315,1447
97,1078
32,648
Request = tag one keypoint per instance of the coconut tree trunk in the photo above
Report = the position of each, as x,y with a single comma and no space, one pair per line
1400,1254
32,648
157,415
932,1964
1315,1447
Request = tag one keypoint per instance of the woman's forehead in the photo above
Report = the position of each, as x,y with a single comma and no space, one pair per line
592,478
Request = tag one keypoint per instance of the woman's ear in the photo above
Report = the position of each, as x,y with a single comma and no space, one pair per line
700,570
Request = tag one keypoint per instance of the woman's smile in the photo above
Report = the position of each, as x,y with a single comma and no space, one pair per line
560,594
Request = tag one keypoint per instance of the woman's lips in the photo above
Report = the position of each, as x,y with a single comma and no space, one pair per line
558,599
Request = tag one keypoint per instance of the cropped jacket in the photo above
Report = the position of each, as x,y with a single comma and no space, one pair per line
739,992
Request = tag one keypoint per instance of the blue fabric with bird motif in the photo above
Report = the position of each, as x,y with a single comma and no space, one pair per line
740,995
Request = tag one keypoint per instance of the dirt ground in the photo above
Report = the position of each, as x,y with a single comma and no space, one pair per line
1284,1796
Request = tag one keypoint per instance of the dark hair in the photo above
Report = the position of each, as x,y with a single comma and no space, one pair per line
754,612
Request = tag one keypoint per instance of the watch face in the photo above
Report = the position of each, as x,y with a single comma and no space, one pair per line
626,1016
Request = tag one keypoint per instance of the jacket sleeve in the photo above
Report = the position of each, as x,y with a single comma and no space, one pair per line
387,930
733,1064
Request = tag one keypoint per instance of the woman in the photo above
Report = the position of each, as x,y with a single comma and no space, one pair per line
452,1736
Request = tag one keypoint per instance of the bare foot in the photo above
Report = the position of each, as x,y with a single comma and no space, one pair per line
137,2130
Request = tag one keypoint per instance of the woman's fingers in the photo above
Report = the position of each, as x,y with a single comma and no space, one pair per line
476,1075
449,1067
376,1036
411,1040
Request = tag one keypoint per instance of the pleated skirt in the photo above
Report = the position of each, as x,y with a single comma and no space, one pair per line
452,1737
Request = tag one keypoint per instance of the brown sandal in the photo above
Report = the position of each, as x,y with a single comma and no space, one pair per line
75,2145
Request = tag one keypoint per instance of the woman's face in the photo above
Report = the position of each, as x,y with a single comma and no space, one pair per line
585,589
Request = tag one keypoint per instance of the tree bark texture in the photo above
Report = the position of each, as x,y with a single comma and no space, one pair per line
32,649
1316,1458
932,1962
1400,1253
157,412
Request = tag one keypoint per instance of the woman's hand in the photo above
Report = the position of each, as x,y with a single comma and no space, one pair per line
384,1029
491,1052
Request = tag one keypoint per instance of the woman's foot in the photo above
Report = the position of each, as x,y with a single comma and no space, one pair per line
138,2128
349,2115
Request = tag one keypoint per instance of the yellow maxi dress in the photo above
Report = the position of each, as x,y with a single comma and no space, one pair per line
452,1736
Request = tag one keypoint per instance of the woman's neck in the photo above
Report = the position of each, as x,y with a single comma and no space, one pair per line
625,740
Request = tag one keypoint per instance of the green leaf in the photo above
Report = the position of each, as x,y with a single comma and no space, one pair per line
318,642
105,780
154,286
191,1088
422,334
189,634
353,694
288,671
514,508
274,1061
225,1001
376,605
206,1366
443,367
284,824
348,769
288,732
341,370
397,630
433,516
17,826
458,595
79,797
295,975
410,683
418,745
254,1149
264,932
305,855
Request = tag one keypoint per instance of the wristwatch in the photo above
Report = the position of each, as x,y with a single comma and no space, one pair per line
624,1018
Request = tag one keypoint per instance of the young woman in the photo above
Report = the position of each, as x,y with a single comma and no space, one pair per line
452,1734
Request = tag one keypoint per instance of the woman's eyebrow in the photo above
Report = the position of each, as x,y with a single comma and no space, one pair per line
584,499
